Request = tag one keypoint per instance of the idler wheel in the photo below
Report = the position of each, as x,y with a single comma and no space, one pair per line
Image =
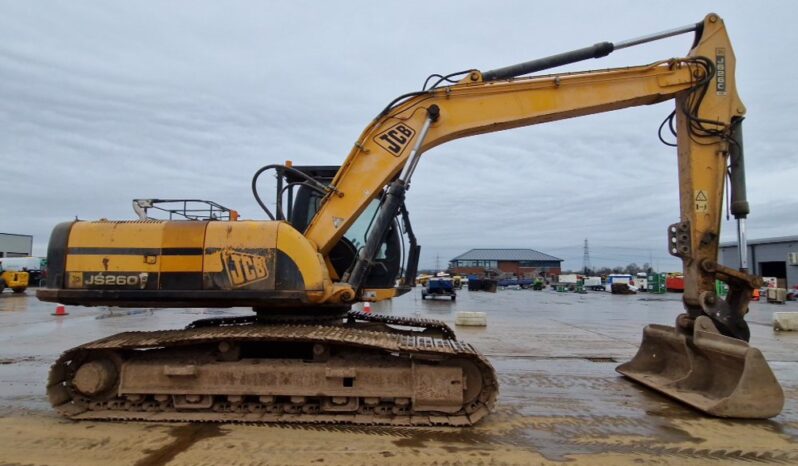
95,377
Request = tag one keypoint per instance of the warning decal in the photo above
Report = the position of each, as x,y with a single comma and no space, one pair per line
701,201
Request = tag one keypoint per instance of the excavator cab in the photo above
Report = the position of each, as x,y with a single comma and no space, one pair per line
397,256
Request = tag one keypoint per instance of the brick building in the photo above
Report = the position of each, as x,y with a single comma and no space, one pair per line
520,262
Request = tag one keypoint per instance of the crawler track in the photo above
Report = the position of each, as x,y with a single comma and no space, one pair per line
191,354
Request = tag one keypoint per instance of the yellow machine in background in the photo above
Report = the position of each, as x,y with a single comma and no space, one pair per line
337,240
17,281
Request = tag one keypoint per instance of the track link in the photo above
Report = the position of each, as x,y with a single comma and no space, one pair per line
427,324
352,317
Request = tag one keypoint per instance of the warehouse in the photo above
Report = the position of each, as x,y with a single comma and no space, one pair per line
12,245
520,262
767,257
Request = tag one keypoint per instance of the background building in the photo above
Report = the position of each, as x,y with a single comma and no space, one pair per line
12,245
767,257
520,262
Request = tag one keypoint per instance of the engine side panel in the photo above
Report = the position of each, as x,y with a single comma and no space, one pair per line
184,264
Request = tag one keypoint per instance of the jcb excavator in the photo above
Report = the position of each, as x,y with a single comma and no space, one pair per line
305,356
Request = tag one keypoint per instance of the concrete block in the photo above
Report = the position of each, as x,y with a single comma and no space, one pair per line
777,295
473,319
785,321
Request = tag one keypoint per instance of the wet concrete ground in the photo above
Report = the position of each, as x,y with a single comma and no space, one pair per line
555,353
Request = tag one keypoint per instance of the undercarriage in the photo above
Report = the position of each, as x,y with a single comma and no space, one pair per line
363,369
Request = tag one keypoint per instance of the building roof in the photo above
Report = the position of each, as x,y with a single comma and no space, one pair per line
506,255
775,239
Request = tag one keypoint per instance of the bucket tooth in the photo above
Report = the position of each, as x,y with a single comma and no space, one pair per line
719,375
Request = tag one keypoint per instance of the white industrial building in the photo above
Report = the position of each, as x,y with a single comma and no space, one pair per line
13,245
767,257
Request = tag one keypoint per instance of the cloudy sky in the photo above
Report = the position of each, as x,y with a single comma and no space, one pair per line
102,102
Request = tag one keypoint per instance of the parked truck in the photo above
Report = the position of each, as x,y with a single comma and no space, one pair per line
594,283
641,281
620,283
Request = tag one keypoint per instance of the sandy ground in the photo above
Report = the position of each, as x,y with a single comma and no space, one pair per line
560,401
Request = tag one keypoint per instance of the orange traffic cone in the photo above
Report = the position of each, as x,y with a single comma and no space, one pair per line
60,310
367,307
755,297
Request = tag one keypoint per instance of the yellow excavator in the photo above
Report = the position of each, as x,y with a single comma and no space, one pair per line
336,238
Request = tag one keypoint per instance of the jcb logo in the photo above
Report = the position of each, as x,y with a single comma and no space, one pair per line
395,138
243,269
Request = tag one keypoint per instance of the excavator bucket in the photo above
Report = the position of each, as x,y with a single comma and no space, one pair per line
716,374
